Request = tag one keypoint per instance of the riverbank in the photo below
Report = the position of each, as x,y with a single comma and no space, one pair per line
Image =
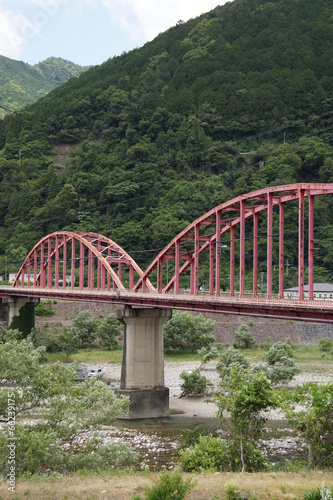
209,486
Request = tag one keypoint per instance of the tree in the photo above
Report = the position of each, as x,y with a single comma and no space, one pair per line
67,408
247,394
185,330
313,418
109,331
231,359
244,339
281,366
85,327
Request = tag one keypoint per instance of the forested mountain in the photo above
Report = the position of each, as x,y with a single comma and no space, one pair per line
22,84
234,100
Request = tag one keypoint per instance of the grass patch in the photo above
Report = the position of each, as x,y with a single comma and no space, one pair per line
263,486
184,354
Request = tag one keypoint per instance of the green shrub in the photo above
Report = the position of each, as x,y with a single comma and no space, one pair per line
207,354
231,358
326,344
281,365
44,308
244,339
212,454
191,436
278,351
194,384
171,486
208,454
322,493
188,331
232,492
266,345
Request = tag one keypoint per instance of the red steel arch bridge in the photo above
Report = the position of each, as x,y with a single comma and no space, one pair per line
92,267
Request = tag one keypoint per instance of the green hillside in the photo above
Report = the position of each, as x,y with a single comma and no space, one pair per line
234,100
22,84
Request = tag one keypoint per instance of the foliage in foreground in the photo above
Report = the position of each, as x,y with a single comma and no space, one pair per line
322,493
61,411
246,395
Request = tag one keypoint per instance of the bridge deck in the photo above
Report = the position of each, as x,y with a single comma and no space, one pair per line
319,311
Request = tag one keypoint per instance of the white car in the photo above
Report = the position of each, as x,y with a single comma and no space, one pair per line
95,373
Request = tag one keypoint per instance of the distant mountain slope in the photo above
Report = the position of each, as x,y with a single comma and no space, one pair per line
22,84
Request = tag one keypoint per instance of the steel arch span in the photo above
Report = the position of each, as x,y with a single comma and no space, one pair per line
239,220
89,261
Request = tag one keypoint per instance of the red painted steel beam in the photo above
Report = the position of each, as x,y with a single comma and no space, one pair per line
281,252
232,260
255,254
242,249
310,244
217,252
301,245
269,243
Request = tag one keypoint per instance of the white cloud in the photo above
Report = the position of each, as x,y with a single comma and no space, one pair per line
147,18
139,20
11,38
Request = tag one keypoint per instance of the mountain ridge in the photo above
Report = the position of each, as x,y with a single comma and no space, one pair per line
22,84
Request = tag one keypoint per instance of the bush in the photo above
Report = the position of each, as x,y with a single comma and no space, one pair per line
244,339
194,383
278,351
212,454
314,422
322,493
191,436
208,454
207,354
44,309
231,358
232,492
171,486
186,331
281,365
326,344
109,331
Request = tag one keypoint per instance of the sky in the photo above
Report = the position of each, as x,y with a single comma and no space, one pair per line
87,32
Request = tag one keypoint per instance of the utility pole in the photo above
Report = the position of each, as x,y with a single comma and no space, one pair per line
287,266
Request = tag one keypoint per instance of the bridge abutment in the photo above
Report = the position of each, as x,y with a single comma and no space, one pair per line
142,372
18,312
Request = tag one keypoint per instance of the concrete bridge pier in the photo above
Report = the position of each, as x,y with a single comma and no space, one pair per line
142,371
18,312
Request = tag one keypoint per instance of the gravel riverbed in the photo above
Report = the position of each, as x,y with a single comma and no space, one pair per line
157,440
198,406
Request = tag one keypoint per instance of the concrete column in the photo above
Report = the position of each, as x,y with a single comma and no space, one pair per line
142,372
20,313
